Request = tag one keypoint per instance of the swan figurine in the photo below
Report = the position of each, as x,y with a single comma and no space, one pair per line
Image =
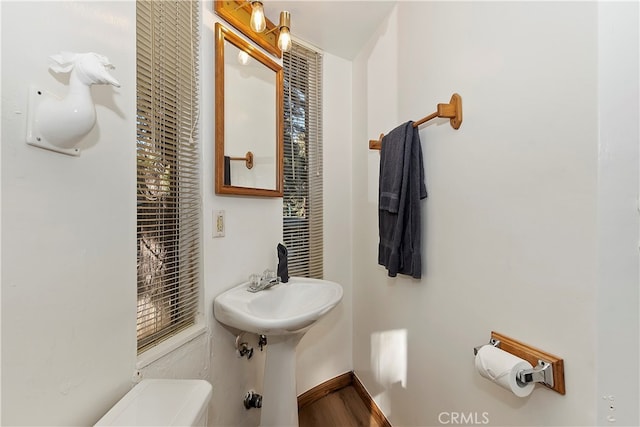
64,122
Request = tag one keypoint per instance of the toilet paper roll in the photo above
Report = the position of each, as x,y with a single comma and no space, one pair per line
502,368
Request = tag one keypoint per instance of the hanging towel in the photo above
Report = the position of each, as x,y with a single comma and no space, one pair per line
227,170
401,187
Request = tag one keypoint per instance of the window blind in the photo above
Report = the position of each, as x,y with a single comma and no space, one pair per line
168,176
302,201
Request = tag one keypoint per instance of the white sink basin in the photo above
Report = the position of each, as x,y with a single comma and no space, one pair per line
285,308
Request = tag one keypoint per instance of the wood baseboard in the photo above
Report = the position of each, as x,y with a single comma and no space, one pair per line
337,383
371,405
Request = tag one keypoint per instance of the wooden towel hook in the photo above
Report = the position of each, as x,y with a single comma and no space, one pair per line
248,159
451,111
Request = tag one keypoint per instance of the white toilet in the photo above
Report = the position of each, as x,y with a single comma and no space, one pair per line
160,402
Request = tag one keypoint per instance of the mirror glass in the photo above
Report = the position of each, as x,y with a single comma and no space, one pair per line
249,118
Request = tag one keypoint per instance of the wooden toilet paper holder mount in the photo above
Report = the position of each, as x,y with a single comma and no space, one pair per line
548,369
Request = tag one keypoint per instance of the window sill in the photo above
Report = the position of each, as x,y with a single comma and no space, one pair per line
169,345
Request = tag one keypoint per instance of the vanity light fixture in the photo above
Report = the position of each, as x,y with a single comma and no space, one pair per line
258,24
248,17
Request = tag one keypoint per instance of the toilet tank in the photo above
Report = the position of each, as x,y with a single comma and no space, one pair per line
161,402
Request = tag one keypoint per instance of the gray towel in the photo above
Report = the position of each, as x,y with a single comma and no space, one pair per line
395,145
401,188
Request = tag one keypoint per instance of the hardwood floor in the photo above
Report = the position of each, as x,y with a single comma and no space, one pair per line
337,409
340,402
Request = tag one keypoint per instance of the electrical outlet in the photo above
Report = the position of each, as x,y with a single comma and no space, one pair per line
218,223
610,402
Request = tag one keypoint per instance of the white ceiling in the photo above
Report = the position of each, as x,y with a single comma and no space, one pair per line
338,27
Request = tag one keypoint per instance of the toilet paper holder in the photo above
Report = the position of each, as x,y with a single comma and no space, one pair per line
548,369
541,373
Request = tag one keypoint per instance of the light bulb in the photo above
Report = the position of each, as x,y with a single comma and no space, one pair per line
243,57
258,22
284,40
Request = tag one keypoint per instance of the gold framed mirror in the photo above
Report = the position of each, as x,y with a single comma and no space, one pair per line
249,119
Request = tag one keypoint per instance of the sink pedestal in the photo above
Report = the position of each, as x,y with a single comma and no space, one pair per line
283,312
279,397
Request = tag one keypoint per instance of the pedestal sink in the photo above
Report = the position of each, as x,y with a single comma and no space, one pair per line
283,313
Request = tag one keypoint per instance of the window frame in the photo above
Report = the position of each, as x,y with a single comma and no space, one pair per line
303,162
168,170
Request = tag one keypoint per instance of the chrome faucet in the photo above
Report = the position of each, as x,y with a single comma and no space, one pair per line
259,283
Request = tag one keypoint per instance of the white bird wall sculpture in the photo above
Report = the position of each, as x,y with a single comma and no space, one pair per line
64,122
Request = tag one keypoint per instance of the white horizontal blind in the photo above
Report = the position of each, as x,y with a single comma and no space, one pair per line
303,206
168,196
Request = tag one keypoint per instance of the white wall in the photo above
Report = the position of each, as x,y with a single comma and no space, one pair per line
68,242
511,225
253,230
618,355
517,208
69,270
333,335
